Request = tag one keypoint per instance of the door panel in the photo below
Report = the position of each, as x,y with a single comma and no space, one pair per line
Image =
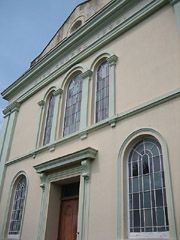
68,220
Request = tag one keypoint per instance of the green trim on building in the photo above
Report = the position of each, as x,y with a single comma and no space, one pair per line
120,161
177,13
112,96
58,93
83,158
10,195
87,153
95,127
105,18
86,76
7,140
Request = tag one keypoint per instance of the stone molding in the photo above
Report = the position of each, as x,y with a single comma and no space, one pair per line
79,156
112,60
86,74
58,92
41,103
11,108
173,2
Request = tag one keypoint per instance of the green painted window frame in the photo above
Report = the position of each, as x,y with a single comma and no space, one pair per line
143,152
122,189
49,115
6,220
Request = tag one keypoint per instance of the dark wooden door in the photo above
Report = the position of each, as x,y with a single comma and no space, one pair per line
69,212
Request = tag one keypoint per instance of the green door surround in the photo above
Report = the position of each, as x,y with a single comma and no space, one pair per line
83,159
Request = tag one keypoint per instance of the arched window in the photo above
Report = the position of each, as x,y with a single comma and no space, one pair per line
49,119
73,106
147,208
102,92
17,208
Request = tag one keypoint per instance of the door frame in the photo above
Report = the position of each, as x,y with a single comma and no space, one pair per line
64,201
79,165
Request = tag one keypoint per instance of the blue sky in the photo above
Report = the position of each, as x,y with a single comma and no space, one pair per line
26,27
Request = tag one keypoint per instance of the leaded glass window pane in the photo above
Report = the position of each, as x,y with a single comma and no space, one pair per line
49,119
73,106
102,92
147,192
17,207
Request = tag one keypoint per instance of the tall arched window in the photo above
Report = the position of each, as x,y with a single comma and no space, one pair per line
147,191
73,106
17,208
49,119
102,92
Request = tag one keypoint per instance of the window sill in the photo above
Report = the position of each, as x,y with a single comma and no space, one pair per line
150,235
13,237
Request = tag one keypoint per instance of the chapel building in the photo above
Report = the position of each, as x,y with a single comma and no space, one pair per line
89,148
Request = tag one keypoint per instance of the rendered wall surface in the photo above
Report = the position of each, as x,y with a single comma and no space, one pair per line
103,187
147,77
144,71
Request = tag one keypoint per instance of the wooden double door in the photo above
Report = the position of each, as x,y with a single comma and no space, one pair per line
69,212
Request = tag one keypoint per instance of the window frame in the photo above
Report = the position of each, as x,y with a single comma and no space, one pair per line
70,79
50,95
13,194
143,235
98,65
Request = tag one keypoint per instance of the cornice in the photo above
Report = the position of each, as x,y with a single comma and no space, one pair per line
14,106
173,2
93,27
79,156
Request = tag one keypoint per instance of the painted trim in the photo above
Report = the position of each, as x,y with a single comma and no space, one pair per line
43,111
120,160
3,134
51,88
112,80
111,58
86,76
8,207
81,67
14,106
176,6
107,15
95,127
10,127
41,105
172,2
84,157
87,153
77,70
104,53
58,93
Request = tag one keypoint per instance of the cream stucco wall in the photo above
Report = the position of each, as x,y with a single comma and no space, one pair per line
103,186
147,68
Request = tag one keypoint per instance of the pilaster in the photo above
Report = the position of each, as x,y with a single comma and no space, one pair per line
58,93
11,113
86,170
112,64
41,105
86,76
176,6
